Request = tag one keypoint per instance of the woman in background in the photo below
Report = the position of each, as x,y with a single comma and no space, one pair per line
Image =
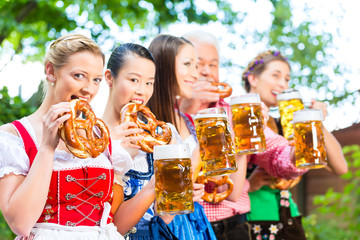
274,215
176,73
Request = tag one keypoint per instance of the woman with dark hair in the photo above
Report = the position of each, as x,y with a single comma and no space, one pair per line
130,76
175,75
274,215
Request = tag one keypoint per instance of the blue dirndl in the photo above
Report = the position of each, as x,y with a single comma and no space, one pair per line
192,226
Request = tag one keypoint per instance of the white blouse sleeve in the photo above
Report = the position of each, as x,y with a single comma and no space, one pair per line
175,136
121,159
13,158
177,139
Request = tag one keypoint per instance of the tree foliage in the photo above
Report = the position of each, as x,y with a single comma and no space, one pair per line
308,51
12,108
338,214
27,25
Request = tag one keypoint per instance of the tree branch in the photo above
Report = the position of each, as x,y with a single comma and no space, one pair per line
29,6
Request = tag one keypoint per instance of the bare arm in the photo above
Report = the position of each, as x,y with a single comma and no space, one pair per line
22,198
238,178
336,160
131,211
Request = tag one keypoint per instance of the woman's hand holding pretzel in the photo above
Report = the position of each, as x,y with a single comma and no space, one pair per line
55,116
126,132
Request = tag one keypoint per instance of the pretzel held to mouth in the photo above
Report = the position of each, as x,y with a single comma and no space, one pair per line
225,91
214,196
129,113
284,184
87,146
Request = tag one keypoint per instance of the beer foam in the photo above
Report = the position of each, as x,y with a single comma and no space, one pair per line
172,151
307,115
245,98
288,94
211,115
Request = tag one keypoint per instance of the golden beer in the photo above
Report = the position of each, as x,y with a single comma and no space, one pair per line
309,139
173,182
216,146
289,102
248,124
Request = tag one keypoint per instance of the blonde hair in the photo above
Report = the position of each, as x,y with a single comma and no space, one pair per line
63,47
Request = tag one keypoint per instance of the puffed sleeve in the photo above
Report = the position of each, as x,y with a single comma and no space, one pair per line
121,159
276,160
13,158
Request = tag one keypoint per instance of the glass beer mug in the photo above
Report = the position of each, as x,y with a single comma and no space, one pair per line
289,101
216,146
248,123
173,182
309,139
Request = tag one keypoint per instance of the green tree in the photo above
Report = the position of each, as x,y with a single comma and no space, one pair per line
12,108
338,214
312,64
27,25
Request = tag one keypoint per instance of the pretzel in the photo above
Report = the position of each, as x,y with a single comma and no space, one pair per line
129,113
87,146
283,184
225,91
215,197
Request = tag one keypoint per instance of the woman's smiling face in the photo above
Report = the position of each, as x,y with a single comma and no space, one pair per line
79,78
185,70
273,80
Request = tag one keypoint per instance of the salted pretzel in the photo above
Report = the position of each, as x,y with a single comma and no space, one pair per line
283,184
225,91
91,145
129,113
214,196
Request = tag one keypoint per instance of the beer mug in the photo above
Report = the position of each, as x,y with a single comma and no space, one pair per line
173,182
248,123
216,146
309,139
289,101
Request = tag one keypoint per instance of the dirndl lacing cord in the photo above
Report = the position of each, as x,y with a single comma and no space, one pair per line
70,196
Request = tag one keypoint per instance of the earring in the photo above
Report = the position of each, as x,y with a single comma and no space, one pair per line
51,79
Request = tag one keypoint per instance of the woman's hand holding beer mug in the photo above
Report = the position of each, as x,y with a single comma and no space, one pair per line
319,106
336,161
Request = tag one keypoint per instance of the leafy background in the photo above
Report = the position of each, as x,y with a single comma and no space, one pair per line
27,26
